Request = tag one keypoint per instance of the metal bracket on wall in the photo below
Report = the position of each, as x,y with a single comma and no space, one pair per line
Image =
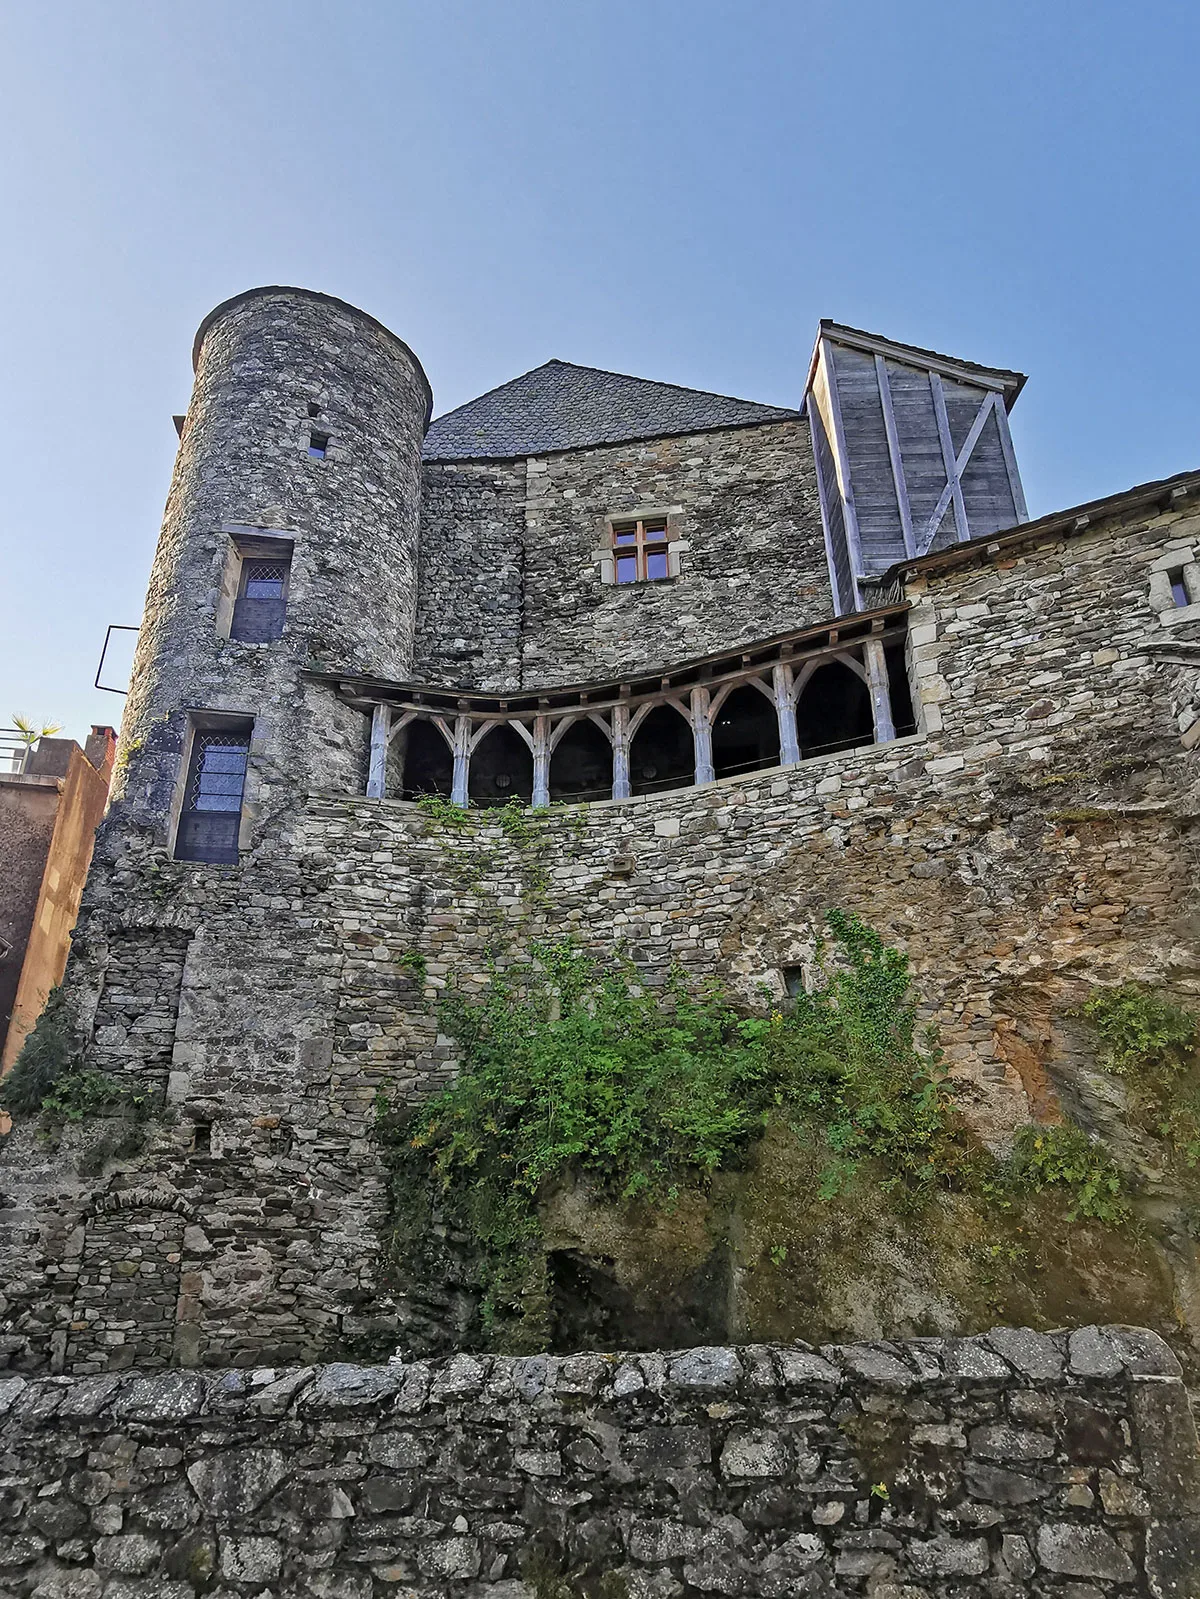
113,627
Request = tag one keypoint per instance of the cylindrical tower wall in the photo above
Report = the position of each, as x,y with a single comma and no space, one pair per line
275,367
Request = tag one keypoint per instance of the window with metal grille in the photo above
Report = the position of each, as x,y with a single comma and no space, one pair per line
212,802
640,553
259,608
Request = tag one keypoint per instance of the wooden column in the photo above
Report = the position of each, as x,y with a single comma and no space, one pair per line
877,686
702,736
459,794
541,762
381,732
621,786
785,710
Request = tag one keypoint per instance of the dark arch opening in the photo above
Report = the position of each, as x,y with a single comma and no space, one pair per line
662,754
501,768
834,711
903,716
745,733
428,763
581,766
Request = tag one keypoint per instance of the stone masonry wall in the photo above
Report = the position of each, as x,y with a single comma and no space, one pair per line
1036,838
1017,1464
511,595
471,595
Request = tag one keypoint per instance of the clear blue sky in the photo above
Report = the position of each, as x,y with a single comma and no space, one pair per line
674,188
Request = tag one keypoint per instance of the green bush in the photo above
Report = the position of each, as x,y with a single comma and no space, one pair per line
1150,1042
584,1072
51,1051
1061,1156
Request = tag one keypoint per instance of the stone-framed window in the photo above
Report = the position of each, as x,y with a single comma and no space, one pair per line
642,547
210,810
253,599
1175,586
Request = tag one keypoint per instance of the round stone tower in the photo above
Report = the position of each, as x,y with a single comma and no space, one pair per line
300,455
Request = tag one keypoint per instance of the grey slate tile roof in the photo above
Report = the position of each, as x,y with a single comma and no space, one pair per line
559,406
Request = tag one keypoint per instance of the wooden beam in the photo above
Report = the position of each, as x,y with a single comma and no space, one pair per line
381,725
845,483
1010,464
701,720
621,786
461,785
541,762
960,465
948,459
785,710
880,691
897,460
840,602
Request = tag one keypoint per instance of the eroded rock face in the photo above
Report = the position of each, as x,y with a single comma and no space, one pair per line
756,1472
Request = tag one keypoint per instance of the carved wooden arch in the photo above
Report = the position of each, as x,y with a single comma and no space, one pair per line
843,657
719,698
643,711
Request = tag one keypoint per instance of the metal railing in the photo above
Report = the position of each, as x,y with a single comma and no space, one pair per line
15,750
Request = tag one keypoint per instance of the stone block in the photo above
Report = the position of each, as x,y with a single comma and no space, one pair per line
1071,1549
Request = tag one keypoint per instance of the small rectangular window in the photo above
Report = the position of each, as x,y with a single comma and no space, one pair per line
642,550
1179,591
258,611
318,443
211,815
793,981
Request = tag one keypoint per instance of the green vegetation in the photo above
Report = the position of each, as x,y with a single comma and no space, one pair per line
1150,1043
51,1051
1062,1157
48,1076
441,812
413,961
585,1073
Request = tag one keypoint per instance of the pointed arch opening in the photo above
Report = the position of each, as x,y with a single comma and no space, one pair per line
745,732
662,753
501,768
833,711
581,765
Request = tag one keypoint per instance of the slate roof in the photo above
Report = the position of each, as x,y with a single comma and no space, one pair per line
560,406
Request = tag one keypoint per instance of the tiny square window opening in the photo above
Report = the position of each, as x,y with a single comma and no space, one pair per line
640,550
318,443
1179,592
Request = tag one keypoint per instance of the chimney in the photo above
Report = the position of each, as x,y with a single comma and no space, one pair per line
101,749
913,453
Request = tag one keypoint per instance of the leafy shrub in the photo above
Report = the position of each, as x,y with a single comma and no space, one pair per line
581,1071
1062,1156
51,1051
48,1076
1151,1043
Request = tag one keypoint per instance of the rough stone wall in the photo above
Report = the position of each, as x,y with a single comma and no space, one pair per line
471,598
511,593
1036,838
1053,1467
244,463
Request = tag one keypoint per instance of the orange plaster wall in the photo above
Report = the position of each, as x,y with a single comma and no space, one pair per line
80,807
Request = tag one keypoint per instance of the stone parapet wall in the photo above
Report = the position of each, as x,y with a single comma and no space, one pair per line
1058,1467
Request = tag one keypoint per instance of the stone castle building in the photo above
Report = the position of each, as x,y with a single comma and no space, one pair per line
757,662
741,664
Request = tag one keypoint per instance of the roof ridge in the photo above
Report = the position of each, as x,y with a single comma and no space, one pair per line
629,377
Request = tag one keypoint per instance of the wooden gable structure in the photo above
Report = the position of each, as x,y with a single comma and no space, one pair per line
913,453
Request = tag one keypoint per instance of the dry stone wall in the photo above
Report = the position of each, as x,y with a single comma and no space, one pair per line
1017,1464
